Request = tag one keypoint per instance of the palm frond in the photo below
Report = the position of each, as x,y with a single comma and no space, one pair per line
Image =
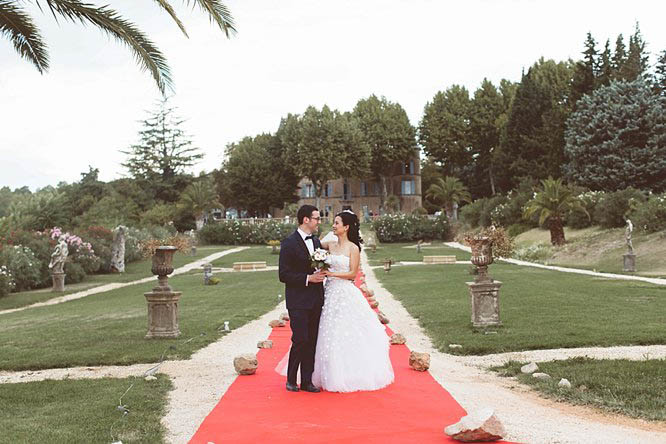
218,13
146,53
164,4
17,26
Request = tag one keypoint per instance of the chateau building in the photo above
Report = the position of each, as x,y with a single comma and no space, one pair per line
363,196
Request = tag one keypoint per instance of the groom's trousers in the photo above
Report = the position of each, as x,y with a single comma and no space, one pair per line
304,328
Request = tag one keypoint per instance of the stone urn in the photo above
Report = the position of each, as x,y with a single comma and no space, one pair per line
162,301
482,256
484,291
387,265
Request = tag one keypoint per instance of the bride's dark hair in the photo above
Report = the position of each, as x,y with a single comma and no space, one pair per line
351,220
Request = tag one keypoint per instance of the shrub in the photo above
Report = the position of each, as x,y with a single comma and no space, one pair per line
650,216
101,239
235,232
402,228
533,253
502,244
24,266
74,273
612,208
6,281
471,213
589,200
420,211
516,229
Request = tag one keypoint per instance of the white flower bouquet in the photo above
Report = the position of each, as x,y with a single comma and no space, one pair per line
319,259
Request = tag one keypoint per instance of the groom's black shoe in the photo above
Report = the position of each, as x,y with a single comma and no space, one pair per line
292,387
310,387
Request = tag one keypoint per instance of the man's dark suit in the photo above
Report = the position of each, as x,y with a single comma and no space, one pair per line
304,303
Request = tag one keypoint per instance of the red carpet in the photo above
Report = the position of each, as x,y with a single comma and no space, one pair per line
258,409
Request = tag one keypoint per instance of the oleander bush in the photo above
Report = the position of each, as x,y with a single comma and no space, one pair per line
650,216
404,228
235,232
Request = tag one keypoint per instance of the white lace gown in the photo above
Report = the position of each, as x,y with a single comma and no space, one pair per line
352,347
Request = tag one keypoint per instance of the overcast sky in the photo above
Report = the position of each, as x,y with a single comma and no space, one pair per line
287,55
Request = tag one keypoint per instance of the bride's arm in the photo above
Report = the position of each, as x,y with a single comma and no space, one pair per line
354,262
328,240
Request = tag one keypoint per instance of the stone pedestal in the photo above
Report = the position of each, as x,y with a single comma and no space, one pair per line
629,262
58,282
162,314
484,297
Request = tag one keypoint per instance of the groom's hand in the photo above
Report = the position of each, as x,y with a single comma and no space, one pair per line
316,278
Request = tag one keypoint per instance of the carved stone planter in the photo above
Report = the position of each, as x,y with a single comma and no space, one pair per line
162,301
484,291
58,282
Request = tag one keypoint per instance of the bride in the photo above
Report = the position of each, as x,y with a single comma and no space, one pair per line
352,348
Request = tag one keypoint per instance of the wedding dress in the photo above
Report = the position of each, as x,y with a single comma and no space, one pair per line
353,347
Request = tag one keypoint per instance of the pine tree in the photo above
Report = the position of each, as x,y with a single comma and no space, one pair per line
605,66
163,154
586,71
619,57
637,62
660,75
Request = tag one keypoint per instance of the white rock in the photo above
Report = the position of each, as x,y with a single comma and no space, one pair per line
529,368
150,378
455,346
479,425
541,375
564,383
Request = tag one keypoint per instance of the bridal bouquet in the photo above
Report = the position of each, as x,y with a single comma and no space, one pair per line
319,259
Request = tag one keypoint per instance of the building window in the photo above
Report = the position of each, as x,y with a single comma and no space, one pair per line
411,166
328,190
307,191
364,188
408,187
328,209
346,194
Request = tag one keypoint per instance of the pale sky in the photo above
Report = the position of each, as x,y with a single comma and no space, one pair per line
287,55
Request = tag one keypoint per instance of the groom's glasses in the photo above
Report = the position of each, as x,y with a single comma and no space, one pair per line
315,218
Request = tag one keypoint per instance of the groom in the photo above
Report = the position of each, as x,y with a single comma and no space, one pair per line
304,293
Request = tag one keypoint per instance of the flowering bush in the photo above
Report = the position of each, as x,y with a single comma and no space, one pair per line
502,243
404,228
533,253
650,216
7,283
23,266
235,232
613,207
589,200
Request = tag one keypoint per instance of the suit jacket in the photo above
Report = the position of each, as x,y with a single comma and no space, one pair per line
293,270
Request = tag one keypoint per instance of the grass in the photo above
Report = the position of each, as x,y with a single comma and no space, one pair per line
540,309
252,254
598,249
109,328
632,388
133,271
55,411
406,251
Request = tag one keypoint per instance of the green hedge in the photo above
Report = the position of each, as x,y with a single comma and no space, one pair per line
235,232
403,228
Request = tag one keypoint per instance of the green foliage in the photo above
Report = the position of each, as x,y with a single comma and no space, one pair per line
650,215
533,253
420,211
7,283
585,216
74,273
617,139
235,232
23,265
447,192
160,214
515,229
614,208
402,228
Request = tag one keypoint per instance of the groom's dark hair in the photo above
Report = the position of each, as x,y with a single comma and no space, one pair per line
305,211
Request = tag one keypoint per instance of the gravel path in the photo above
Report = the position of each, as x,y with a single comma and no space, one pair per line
107,287
656,281
526,416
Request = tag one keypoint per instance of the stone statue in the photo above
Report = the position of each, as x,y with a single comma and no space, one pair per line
627,235
59,256
118,249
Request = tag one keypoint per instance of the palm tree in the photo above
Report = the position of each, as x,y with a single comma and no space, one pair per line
448,193
17,25
553,202
199,198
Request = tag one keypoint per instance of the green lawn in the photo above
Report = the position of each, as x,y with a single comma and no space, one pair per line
406,251
133,271
540,309
83,411
252,254
109,328
633,388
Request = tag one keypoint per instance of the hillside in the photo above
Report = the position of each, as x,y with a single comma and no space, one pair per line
597,249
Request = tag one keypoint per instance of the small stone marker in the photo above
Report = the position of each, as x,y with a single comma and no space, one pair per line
397,339
419,361
529,368
382,318
564,383
481,425
455,346
265,344
284,317
150,378
541,375
276,323
246,364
